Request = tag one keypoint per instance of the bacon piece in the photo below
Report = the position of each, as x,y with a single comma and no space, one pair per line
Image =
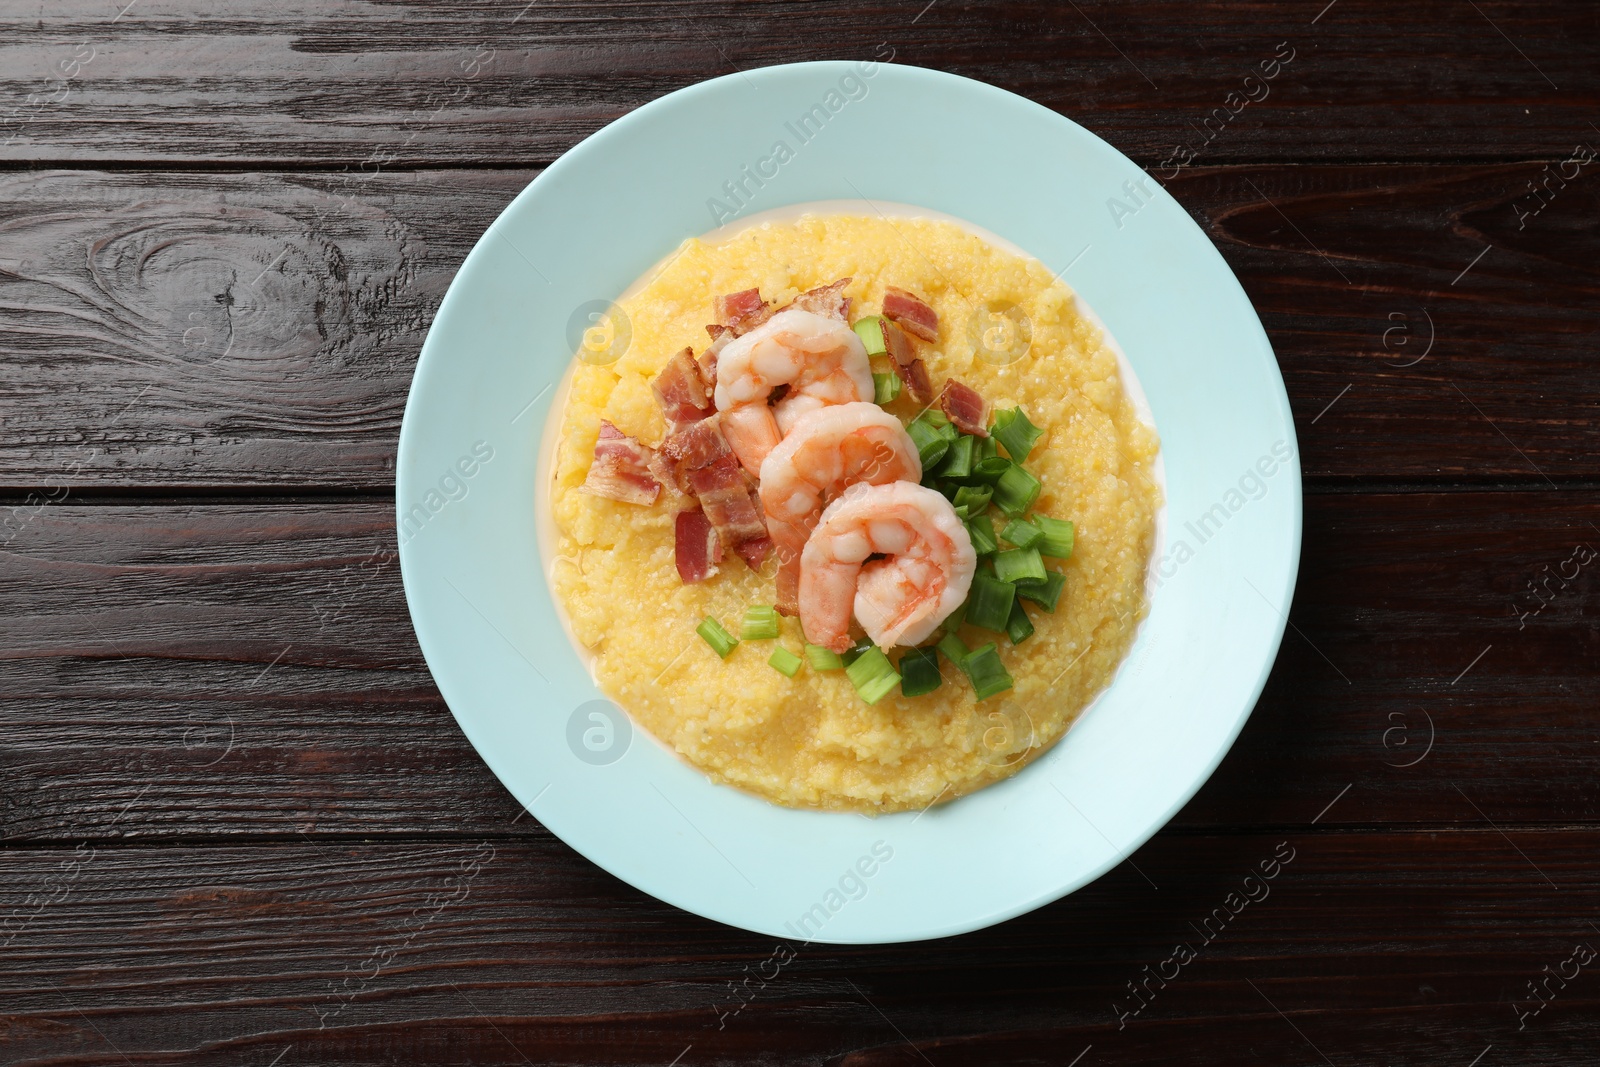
699,461
828,300
697,547
741,312
913,372
681,390
696,445
911,312
966,408
621,468
720,336
754,551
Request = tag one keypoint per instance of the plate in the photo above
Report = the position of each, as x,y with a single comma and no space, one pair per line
705,157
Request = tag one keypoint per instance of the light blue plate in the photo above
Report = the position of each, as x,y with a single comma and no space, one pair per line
623,199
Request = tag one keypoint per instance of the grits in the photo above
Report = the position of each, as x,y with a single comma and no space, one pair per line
812,741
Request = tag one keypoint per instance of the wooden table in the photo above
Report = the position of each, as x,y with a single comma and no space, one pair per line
240,826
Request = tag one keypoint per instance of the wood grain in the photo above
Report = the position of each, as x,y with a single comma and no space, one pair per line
498,82
261,330
1375,947
177,672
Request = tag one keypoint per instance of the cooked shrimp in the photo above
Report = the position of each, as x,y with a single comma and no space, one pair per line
818,357
822,454
925,573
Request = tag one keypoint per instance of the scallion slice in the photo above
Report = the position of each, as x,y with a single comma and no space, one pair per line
931,444
919,672
873,675
760,623
988,448
1057,539
1016,491
1022,534
989,603
1019,627
953,649
1045,595
957,461
822,659
974,497
981,529
720,640
785,662
854,652
1020,566
961,511
989,469
989,676
870,330
885,387
1013,430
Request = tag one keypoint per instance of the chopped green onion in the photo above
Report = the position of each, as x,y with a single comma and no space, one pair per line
989,469
1047,594
935,417
885,387
1020,566
1022,534
855,651
981,529
974,497
760,623
989,676
873,675
919,672
931,444
1057,539
952,622
822,659
720,640
988,448
961,511
785,662
989,603
957,459
1019,627
1013,430
1016,491
870,330
953,649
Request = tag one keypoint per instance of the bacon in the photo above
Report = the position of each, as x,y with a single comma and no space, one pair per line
828,300
913,372
621,468
720,336
681,390
741,312
697,547
698,460
911,312
754,551
966,408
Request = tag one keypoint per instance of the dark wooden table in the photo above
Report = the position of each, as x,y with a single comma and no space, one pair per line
236,813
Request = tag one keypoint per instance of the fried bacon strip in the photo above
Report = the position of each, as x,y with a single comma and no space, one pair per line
698,460
681,391
741,312
966,408
697,547
913,372
621,469
911,312
828,300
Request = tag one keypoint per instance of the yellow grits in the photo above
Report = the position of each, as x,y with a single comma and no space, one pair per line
811,741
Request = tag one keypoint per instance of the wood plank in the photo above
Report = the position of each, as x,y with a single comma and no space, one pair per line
243,670
261,330
1374,947
501,82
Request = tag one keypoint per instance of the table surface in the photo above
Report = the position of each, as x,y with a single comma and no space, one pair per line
240,826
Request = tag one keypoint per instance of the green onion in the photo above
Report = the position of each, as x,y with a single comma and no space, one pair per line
931,444
961,511
855,651
1016,491
720,640
822,659
1057,539
870,330
1013,430
1047,594
873,675
1022,534
952,622
935,417
974,497
989,469
989,676
885,387
988,448
953,649
989,603
981,530
919,672
786,663
1018,627
760,623
957,459
1020,566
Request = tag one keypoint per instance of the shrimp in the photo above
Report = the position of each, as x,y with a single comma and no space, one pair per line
823,453
818,357
925,573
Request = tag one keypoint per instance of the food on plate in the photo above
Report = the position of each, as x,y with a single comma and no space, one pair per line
860,519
